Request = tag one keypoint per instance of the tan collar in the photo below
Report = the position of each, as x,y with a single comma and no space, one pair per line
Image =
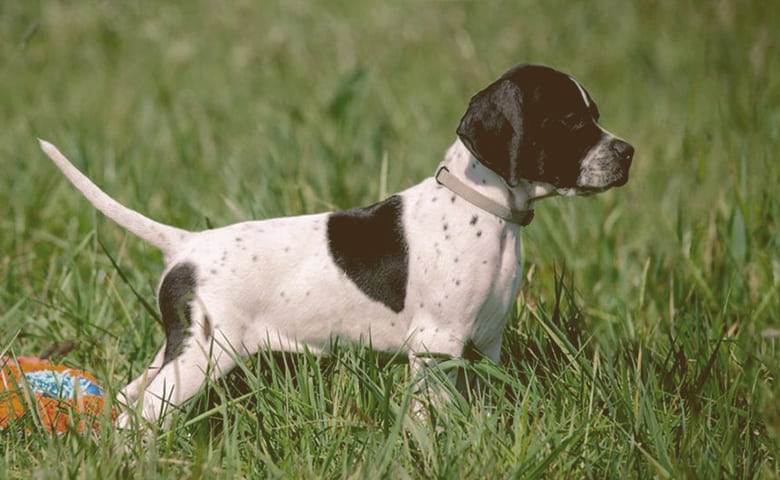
520,217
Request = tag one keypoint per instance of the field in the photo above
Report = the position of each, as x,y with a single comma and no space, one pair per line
645,339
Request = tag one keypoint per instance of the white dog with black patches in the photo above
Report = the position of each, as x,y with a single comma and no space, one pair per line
428,272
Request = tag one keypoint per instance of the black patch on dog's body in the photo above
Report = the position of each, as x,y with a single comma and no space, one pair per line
369,245
176,292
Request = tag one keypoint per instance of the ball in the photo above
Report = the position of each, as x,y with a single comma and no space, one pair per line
58,397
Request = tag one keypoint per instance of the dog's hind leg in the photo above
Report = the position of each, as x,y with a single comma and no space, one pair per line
180,379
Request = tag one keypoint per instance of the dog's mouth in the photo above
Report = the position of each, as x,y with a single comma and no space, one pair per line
593,191
582,192
588,190
623,179
619,182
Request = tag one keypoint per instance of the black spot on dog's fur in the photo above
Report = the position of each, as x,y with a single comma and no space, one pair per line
369,245
176,292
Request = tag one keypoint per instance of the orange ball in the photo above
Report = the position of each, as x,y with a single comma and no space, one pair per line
60,397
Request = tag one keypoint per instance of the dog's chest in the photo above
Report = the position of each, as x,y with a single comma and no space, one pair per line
465,264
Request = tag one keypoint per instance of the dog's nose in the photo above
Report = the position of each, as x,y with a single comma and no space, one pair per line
624,151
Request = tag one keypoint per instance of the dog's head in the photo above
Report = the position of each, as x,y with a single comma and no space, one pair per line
538,124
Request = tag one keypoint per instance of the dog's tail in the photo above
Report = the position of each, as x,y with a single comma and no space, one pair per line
162,236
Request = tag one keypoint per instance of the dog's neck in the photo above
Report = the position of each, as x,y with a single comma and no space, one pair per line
467,170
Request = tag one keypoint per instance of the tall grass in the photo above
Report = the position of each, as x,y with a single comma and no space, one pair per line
645,340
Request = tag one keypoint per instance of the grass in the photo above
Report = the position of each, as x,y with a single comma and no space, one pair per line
644,343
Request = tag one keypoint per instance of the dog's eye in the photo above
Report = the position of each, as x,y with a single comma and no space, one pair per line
573,122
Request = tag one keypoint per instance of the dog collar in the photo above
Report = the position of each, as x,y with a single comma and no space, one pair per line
520,217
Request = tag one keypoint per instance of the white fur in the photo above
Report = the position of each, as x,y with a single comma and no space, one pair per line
582,92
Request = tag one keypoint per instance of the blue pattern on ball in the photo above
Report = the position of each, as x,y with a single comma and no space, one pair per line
61,385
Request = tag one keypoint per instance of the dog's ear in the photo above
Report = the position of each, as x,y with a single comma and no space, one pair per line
492,129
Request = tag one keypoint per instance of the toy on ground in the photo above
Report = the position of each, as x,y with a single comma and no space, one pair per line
61,397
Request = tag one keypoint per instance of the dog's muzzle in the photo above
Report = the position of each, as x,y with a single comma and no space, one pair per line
606,165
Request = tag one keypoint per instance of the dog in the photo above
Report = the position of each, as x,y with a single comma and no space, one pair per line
427,272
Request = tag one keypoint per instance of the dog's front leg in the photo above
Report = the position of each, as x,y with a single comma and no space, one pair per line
434,385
